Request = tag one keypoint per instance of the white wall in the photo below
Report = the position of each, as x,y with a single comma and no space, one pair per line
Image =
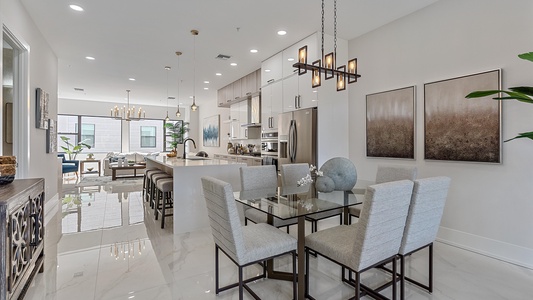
489,205
43,74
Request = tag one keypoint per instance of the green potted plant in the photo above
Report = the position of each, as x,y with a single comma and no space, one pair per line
520,93
71,149
90,156
176,131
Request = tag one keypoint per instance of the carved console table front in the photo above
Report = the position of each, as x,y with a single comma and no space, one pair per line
21,235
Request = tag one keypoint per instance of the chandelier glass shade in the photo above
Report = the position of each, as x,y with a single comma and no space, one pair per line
194,107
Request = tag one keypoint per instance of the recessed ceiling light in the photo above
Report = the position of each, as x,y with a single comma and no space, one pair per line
76,7
233,64
290,59
314,91
131,79
191,97
267,70
206,88
90,58
218,74
253,50
282,32
206,81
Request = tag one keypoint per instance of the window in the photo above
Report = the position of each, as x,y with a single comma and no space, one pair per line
148,136
87,134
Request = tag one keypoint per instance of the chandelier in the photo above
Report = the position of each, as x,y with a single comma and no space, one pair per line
127,249
128,113
328,63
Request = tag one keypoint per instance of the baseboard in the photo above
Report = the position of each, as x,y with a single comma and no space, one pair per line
50,208
510,253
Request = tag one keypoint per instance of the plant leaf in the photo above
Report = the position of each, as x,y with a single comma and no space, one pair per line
479,94
528,135
526,56
526,90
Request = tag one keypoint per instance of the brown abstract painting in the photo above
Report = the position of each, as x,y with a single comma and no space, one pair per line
390,126
460,129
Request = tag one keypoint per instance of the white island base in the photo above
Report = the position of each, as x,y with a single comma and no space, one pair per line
190,212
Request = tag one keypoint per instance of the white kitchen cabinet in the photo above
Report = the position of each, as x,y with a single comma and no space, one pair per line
290,55
237,89
249,84
243,119
221,97
271,69
271,105
298,93
235,125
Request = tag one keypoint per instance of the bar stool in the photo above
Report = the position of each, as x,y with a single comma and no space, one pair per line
153,188
165,191
145,179
147,183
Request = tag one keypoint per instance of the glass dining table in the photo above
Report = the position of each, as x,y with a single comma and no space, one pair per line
289,202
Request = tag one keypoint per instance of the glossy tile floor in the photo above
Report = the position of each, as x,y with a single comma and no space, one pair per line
104,244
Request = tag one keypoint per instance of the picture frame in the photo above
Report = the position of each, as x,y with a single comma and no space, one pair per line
41,109
460,129
211,131
51,136
390,123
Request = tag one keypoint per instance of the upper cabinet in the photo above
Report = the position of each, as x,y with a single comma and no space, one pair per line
239,89
290,55
271,69
271,105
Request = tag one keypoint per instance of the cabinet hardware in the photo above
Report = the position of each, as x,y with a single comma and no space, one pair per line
270,81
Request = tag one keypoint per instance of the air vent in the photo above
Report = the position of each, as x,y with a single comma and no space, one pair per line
79,89
223,57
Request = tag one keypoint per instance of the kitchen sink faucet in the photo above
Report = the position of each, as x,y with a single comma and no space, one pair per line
185,141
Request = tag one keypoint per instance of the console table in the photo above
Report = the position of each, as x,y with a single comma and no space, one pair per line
21,235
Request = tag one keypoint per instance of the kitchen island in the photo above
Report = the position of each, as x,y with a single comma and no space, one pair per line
190,212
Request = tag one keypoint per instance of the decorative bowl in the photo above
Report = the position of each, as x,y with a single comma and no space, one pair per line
7,173
172,154
90,169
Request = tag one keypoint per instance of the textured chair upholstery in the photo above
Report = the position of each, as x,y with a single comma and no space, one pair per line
422,225
258,182
292,173
374,240
388,173
69,166
243,245
339,174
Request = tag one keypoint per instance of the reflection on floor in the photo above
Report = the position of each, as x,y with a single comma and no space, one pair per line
104,244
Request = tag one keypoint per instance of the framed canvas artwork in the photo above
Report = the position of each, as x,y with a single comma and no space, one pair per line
41,109
211,131
390,124
460,129
51,136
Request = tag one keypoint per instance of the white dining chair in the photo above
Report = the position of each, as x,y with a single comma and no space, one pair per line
372,241
387,173
244,245
258,182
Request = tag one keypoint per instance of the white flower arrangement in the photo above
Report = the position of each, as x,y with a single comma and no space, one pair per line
308,179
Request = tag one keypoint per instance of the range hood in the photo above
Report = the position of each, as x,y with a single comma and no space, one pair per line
254,111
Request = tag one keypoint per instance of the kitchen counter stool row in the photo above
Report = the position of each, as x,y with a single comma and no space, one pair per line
158,191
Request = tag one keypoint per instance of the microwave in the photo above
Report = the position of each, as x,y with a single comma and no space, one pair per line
269,143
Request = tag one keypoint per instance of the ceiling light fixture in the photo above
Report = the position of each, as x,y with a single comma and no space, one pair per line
194,107
76,7
126,113
89,58
178,113
218,74
131,79
233,64
168,70
282,32
329,68
253,50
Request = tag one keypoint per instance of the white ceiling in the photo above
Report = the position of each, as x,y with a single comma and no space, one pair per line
138,38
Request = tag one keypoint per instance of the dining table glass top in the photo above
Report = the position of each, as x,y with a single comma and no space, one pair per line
288,202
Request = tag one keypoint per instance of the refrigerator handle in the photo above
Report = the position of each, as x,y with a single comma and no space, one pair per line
299,103
292,141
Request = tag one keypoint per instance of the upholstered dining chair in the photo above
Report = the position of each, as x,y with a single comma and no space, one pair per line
422,225
372,241
292,173
258,182
244,245
387,173
69,166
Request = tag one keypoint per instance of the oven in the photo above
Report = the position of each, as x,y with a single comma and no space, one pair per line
269,144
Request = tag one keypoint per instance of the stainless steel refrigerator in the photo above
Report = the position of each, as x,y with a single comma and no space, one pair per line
297,136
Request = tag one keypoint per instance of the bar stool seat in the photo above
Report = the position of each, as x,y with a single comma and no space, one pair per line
153,188
146,178
165,190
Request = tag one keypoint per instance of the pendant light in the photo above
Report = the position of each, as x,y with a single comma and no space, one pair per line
168,70
194,107
178,113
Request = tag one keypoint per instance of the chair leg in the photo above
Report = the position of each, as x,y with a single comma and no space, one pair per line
402,277
156,204
430,268
357,285
216,269
307,273
245,221
294,286
394,286
164,200
241,286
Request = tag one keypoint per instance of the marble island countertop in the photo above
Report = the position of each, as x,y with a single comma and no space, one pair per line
192,161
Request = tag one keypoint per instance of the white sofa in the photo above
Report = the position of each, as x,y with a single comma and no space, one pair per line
132,156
